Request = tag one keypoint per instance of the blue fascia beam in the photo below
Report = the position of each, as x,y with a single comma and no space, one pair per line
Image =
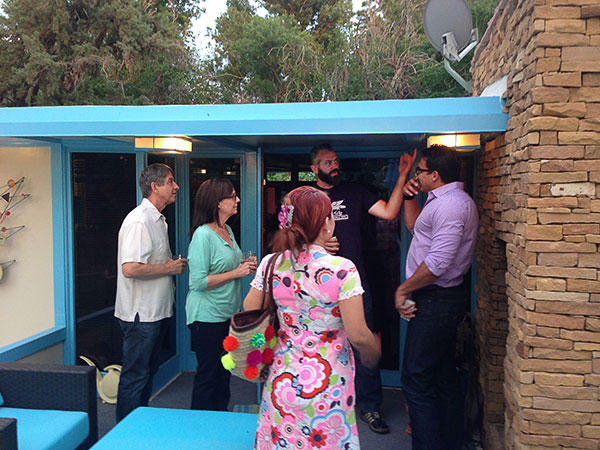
464,114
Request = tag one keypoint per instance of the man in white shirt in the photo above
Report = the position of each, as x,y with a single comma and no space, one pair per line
145,289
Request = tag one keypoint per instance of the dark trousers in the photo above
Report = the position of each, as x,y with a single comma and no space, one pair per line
141,352
369,395
211,382
430,378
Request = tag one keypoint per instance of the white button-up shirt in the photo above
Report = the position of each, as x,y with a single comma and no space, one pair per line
143,239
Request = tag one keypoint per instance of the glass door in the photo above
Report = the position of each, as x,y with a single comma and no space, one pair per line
381,238
104,187
240,168
168,348
104,191
202,169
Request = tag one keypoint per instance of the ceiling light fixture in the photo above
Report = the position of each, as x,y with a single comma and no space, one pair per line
461,142
168,144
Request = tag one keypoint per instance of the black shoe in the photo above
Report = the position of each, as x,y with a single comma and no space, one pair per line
375,422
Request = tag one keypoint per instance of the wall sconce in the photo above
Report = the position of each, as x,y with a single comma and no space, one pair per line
460,142
172,145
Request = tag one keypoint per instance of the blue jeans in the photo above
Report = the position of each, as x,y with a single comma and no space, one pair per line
367,381
141,352
211,382
430,378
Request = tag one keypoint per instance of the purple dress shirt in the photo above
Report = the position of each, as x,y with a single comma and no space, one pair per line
444,235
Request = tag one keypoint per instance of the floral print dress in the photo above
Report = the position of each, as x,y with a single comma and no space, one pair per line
308,399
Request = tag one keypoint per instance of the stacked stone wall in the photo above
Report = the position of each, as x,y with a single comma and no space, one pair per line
539,197
492,306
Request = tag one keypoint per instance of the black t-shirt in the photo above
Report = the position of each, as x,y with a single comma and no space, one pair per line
350,203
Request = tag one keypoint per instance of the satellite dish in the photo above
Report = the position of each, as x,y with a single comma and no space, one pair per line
445,16
448,25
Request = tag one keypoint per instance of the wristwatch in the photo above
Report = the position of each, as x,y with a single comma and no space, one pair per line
408,197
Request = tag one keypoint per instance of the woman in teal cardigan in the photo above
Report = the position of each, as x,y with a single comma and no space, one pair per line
215,266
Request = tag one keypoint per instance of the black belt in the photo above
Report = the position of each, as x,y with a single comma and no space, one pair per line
432,288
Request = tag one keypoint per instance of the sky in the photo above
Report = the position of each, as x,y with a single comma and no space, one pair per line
214,8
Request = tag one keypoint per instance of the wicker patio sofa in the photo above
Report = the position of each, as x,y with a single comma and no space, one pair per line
49,399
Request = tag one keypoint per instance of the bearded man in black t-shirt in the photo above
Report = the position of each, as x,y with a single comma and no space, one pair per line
350,202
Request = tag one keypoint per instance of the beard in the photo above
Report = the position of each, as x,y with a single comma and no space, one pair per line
328,178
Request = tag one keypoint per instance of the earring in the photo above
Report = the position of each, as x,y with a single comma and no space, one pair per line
329,231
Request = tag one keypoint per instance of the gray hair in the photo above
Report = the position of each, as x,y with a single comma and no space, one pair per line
154,173
316,150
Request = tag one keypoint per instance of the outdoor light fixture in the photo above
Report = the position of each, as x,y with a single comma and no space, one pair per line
461,142
174,145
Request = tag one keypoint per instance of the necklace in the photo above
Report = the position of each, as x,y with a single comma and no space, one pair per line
217,228
221,231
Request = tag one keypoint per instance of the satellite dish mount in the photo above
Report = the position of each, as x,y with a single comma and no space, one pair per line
449,27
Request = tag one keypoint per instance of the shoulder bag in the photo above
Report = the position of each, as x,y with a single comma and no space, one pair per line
252,339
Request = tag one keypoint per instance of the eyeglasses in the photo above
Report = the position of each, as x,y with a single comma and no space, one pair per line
419,171
232,196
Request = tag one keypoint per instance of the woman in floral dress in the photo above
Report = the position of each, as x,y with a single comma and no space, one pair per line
308,400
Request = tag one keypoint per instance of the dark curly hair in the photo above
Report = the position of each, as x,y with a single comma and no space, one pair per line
444,160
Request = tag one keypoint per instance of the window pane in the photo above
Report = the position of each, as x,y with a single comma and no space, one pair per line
273,175
305,176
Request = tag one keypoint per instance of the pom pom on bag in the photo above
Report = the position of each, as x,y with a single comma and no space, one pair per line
230,343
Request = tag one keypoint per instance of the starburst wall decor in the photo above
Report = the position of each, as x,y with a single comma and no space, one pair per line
11,196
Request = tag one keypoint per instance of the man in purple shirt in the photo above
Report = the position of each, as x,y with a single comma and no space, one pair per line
440,254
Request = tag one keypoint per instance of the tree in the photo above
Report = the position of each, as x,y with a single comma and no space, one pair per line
223,74
312,50
392,57
283,57
96,52
323,18
388,50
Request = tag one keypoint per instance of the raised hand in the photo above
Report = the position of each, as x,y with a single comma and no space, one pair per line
406,162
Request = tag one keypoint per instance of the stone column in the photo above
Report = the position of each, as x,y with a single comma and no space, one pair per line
539,193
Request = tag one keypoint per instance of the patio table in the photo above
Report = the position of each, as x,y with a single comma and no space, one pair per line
154,428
